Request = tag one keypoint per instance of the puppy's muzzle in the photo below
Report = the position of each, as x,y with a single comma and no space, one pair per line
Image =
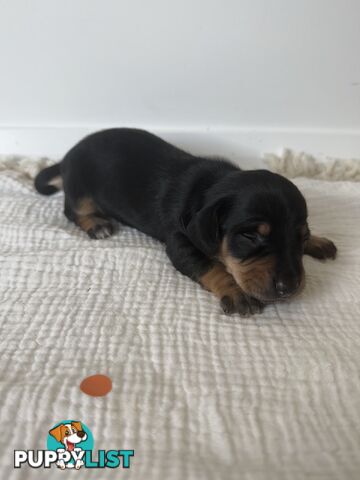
257,278
286,289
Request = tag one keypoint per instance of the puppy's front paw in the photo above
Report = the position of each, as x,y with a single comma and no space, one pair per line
232,299
320,248
241,304
247,306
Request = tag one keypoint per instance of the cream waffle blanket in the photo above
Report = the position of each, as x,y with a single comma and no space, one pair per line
198,395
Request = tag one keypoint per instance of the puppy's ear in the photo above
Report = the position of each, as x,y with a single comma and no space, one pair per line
204,228
56,433
77,425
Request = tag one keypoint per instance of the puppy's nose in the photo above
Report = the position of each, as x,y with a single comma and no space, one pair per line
283,289
280,288
81,434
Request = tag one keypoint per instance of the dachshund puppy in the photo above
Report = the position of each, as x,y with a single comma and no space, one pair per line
240,234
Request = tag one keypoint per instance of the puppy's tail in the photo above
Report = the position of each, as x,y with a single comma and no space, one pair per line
49,180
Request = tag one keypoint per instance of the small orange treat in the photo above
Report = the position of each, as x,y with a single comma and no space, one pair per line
96,385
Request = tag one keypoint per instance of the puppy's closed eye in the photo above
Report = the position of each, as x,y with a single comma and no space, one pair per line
257,233
250,236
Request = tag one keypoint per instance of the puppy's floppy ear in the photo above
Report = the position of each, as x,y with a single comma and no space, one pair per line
77,425
204,228
56,433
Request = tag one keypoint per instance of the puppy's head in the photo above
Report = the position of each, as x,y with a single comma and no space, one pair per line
256,227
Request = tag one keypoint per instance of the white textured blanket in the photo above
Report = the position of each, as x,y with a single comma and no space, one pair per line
197,395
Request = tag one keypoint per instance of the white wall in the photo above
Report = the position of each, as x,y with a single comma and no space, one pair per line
259,69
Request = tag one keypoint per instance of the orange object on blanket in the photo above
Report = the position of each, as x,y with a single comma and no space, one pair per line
96,385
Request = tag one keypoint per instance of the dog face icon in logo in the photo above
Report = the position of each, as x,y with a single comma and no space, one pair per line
70,435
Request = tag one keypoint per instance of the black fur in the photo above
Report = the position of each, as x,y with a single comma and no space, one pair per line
46,175
190,203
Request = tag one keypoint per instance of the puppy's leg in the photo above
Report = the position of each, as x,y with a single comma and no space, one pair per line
232,299
211,275
88,217
320,248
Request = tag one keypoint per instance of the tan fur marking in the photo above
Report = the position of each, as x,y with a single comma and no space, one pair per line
254,276
264,229
56,182
86,215
218,281
87,222
86,206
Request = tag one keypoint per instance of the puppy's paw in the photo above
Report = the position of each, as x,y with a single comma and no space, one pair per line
101,231
228,305
320,248
241,304
247,306
328,249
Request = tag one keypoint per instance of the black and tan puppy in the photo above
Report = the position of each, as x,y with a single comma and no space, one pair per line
240,234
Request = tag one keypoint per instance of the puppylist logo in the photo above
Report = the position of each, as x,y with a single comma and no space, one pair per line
70,444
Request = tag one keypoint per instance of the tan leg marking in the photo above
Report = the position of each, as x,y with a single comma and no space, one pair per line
218,281
89,219
223,285
88,222
86,206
